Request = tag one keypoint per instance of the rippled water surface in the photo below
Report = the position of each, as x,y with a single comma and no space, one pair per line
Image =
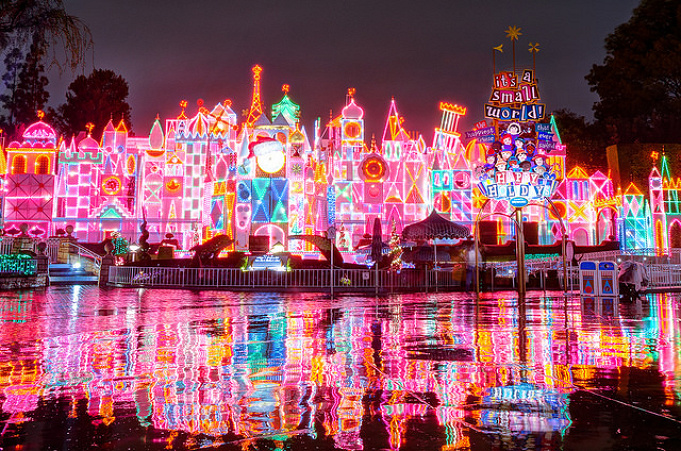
90,368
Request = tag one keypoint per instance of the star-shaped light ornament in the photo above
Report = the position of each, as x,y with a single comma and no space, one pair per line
513,33
534,48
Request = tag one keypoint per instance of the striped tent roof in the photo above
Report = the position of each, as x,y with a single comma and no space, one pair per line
434,226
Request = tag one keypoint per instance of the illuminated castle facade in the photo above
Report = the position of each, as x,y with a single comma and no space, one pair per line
209,174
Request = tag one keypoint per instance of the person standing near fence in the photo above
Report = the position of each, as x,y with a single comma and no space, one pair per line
471,262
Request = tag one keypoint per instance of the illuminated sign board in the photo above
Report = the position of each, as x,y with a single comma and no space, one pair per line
512,100
517,167
273,262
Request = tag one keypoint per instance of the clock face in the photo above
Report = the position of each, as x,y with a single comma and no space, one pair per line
462,180
373,168
352,130
111,186
271,162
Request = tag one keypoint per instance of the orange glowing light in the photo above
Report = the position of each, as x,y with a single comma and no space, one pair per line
453,108
513,33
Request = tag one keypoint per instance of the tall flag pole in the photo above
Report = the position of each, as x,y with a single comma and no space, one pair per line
500,49
513,33
534,48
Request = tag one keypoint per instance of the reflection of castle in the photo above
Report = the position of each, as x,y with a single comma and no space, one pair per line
209,174
258,369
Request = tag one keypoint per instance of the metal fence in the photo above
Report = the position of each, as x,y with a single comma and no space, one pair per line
663,268
71,252
350,280
664,275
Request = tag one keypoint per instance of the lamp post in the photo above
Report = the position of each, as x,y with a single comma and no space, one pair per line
520,251
331,234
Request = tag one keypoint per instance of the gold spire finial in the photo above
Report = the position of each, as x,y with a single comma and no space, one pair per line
513,33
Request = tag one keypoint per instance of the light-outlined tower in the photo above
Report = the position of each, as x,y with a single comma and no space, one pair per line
256,103
659,217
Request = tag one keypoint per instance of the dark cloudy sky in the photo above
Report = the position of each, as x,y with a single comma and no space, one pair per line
418,52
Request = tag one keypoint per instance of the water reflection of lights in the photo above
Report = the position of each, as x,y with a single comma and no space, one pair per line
274,365
524,408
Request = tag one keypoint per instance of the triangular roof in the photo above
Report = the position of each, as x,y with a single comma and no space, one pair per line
262,120
460,162
279,120
393,124
393,195
664,171
109,127
654,173
632,190
577,173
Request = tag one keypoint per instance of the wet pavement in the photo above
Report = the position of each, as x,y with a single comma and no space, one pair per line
89,368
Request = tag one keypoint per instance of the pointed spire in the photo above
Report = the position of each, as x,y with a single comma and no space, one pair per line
121,128
393,124
256,104
244,151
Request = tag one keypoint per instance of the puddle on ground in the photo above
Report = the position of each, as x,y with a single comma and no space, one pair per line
83,368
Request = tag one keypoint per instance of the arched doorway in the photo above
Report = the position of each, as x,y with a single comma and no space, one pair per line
581,237
675,235
273,232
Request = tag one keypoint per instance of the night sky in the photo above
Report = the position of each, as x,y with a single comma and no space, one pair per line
418,52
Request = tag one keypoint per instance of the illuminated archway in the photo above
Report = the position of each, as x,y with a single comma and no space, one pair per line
610,223
19,164
42,165
675,235
275,233
659,237
581,237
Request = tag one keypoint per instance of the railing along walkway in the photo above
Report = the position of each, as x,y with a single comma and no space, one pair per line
89,261
351,280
